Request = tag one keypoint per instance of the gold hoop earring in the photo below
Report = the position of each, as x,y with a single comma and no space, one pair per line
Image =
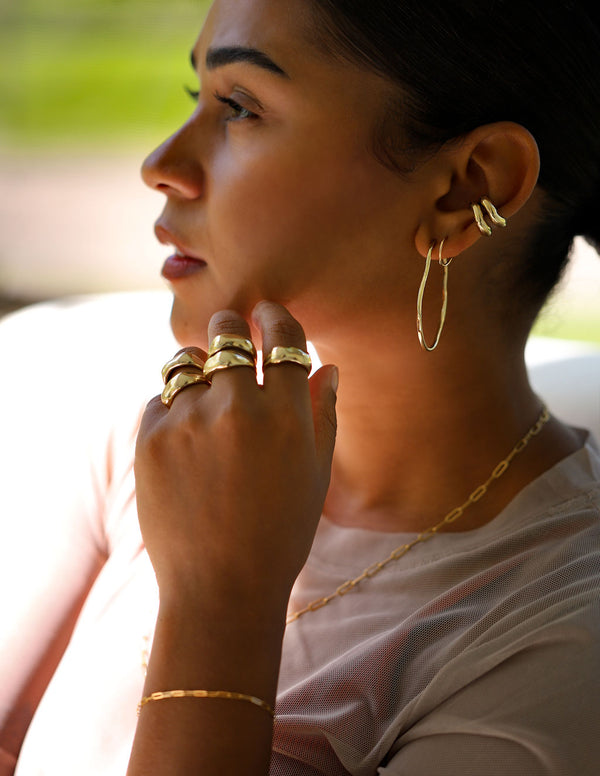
445,263
482,224
493,213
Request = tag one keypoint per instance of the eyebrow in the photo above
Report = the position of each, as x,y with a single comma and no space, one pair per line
229,55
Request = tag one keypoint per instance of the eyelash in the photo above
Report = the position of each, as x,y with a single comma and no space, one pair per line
240,113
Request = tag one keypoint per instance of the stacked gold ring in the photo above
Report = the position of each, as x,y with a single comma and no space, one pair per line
232,342
175,385
185,360
226,359
228,351
283,355
180,372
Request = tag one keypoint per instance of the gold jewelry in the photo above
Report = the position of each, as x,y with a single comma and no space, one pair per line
493,213
232,342
182,380
226,359
482,224
429,533
225,694
185,359
445,263
281,355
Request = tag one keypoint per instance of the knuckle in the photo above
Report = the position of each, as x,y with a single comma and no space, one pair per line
288,329
236,416
171,434
150,444
228,322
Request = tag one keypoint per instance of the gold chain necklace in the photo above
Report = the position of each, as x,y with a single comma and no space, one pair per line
429,533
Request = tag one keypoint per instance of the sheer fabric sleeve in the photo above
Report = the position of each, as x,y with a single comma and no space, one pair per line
535,712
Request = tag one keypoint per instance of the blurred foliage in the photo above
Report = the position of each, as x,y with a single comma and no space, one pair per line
572,324
94,72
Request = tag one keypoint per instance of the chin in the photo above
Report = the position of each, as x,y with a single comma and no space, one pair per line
189,322
189,330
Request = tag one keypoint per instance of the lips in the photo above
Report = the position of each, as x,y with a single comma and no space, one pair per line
183,262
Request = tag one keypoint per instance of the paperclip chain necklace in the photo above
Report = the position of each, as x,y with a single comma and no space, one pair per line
425,536
429,533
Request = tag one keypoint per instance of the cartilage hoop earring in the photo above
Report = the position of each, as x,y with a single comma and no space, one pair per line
482,224
494,215
444,263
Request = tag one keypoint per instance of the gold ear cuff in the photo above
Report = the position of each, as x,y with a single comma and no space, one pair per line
492,213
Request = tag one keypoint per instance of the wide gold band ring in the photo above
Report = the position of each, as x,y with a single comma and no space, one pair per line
186,359
178,383
226,359
281,355
232,342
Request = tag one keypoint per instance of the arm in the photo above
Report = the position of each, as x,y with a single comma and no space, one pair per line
227,534
191,736
8,763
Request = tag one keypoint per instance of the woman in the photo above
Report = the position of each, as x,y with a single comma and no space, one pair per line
339,150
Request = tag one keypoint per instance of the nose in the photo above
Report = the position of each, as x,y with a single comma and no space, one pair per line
174,168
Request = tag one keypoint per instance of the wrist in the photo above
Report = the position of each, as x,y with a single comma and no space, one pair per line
226,604
206,647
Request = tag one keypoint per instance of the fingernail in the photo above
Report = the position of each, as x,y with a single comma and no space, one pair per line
335,378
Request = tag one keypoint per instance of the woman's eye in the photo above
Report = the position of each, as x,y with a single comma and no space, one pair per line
236,111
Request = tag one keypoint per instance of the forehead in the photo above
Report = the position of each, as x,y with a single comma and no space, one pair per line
279,28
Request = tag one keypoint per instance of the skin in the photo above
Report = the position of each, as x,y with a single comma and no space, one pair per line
293,207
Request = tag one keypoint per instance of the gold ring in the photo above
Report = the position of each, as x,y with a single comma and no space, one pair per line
281,355
232,342
185,359
226,359
178,383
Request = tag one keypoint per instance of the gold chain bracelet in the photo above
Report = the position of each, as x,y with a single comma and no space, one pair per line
224,694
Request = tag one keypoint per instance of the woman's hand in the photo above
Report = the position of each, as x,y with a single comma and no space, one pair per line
231,480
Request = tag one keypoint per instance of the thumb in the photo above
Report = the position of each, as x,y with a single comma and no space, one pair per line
323,392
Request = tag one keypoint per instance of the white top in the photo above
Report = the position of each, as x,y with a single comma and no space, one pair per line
478,652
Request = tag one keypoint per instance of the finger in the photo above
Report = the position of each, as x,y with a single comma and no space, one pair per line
173,372
231,322
193,349
323,393
279,328
198,352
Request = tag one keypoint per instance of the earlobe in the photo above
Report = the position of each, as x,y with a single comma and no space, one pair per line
498,163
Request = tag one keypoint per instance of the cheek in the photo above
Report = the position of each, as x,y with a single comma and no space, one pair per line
261,222
289,207
285,224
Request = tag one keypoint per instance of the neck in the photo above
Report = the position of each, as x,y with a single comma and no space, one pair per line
418,433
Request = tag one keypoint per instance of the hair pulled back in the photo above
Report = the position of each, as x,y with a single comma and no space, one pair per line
461,64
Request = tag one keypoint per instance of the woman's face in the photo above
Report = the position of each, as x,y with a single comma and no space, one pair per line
272,187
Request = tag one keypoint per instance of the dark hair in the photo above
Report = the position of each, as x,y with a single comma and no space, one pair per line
465,63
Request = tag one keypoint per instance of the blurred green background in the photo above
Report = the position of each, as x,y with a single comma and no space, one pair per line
92,72
87,89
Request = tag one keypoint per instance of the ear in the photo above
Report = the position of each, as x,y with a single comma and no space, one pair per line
500,161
